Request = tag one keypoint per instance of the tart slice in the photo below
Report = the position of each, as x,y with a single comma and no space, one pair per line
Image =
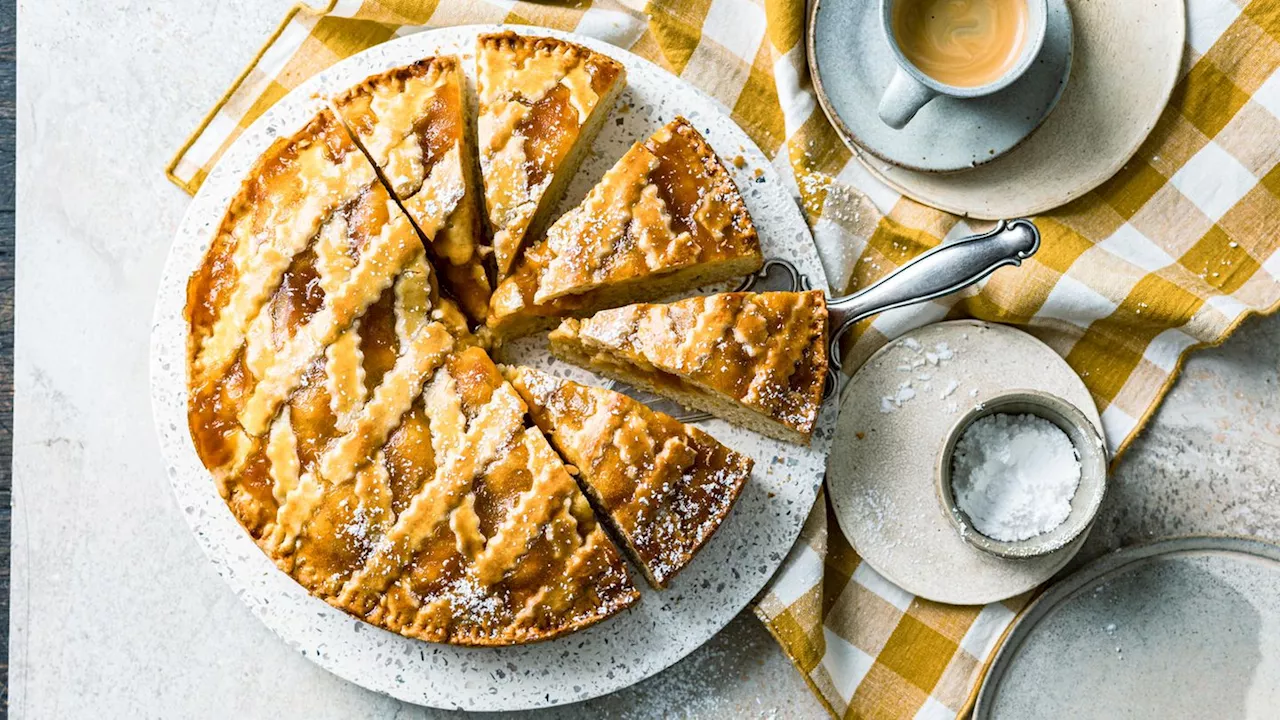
755,359
662,486
412,122
389,470
542,101
666,218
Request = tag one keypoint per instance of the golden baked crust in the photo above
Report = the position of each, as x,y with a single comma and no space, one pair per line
758,359
387,469
666,218
664,487
542,101
412,122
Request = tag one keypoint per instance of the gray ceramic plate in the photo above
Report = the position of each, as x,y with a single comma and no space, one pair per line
1184,628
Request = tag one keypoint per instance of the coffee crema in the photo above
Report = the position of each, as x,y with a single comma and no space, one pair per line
964,43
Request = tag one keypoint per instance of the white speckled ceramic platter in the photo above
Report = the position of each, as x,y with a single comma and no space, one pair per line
659,630
1191,626
883,460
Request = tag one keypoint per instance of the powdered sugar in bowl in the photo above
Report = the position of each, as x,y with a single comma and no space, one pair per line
1022,474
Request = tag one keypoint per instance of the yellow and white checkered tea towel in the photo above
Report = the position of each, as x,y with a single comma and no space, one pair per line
1169,255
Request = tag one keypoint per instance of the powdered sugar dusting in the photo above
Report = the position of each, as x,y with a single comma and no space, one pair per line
926,366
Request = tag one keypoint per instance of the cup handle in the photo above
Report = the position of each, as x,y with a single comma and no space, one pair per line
903,99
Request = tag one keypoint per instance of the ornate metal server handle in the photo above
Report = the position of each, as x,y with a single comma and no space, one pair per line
941,271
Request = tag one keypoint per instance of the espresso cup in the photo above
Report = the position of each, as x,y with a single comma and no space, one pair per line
912,88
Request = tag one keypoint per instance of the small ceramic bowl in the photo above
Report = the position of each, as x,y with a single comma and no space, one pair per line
1093,473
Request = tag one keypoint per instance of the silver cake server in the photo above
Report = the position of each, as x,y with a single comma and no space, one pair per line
941,271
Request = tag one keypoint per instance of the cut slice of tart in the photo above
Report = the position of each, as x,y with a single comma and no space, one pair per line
666,218
663,487
755,359
413,123
388,469
542,101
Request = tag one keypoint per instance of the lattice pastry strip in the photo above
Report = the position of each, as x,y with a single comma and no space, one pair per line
344,363
464,460
256,289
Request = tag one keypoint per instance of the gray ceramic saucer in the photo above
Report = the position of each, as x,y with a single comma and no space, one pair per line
851,64
1183,628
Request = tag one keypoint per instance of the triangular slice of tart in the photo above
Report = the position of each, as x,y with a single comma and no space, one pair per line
666,218
542,101
388,469
663,487
412,121
755,359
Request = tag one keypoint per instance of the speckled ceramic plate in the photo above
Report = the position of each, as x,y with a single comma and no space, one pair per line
1183,628
881,481
659,630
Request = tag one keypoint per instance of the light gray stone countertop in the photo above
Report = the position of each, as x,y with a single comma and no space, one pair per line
115,611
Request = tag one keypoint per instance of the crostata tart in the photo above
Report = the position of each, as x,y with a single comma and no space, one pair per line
412,122
369,445
662,486
666,218
542,101
755,359
384,465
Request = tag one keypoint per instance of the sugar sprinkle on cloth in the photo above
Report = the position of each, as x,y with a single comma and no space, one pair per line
1168,255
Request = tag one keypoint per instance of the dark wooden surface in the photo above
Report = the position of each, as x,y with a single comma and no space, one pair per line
8,83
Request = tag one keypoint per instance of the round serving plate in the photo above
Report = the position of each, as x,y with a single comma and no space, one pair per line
656,632
1181,628
1126,59
884,461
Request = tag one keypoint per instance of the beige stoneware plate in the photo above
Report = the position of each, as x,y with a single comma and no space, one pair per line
1127,58
881,473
